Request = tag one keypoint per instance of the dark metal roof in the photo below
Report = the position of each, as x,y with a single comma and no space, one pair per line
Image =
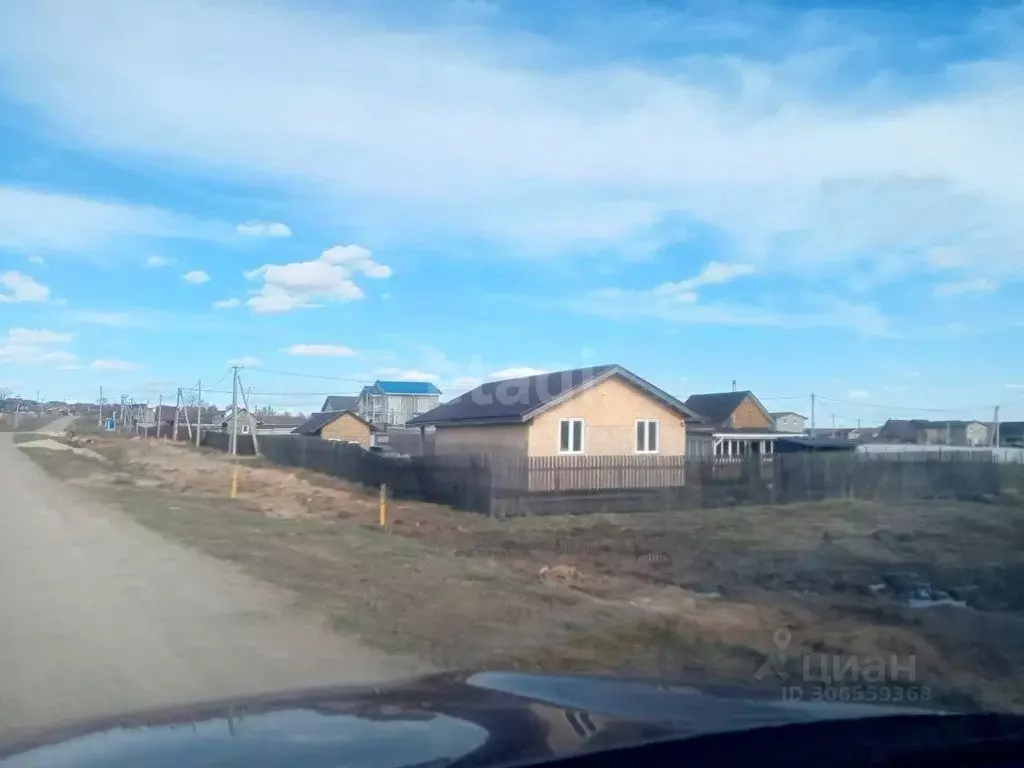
407,387
517,400
1011,429
717,407
315,423
813,444
285,420
902,430
340,403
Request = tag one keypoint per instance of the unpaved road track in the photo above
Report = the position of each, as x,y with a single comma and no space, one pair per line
99,616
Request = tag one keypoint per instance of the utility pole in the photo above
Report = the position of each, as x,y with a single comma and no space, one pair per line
833,423
734,385
813,398
17,412
234,410
100,403
948,433
159,413
249,410
39,406
199,413
177,414
995,427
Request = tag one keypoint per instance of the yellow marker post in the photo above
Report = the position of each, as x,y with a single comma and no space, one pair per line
234,483
383,505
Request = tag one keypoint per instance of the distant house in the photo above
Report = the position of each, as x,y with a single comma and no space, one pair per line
346,426
1011,433
789,421
606,410
853,434
736,422
261,424
926,432
246,422
340,403
394,403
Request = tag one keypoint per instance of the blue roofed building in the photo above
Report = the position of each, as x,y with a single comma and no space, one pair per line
392,403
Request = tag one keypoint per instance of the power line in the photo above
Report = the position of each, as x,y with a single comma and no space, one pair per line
903,407
305,375
271,394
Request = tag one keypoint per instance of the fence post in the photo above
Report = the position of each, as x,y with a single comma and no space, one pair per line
383,505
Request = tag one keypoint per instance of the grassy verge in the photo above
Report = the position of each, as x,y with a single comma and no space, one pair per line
394,592
460,591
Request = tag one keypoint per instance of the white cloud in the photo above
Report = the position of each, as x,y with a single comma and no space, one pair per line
815,311
467,381
263,229
226,303
21,287
543,145
196,276
28,345
31,220
714,272
858,394
516,372
108,319
398,374
158,261
111,365
309,283
36,259
36,336
244,361
972,285
318,350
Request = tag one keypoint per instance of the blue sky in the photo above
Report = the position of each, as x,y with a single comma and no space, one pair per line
801,198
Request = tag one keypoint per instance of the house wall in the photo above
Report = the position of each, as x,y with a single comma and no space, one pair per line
609,410
244,419
747,415
790,422
349,428
972,434
500,439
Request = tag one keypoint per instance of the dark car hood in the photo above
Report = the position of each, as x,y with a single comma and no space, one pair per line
479,719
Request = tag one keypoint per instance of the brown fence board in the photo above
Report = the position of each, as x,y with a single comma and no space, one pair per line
505,486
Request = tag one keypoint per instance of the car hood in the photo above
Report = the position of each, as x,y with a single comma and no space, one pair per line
478,719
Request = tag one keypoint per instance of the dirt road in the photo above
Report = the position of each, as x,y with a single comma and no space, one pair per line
100,616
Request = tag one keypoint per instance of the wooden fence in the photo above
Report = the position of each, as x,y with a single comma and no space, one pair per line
505,486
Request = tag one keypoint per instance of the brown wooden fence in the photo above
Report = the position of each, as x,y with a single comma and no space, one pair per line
508,487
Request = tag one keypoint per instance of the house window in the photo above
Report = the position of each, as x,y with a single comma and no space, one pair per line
647,436
245,429
570,436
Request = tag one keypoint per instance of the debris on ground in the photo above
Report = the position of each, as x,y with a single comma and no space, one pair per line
55,445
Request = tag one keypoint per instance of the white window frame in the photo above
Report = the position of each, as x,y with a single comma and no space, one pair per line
583,437
245,429
647,435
